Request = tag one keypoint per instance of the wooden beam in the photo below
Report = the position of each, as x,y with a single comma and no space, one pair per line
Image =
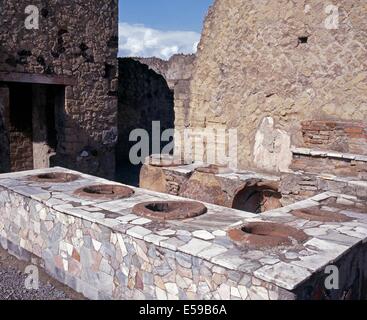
37,78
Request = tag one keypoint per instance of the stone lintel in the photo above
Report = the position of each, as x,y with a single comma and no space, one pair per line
37,78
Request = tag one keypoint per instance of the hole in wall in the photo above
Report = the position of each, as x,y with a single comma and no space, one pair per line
303,40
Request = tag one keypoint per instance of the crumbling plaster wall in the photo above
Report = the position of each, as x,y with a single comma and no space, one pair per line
253,63
77,39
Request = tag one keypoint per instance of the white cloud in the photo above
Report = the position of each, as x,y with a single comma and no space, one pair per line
136,40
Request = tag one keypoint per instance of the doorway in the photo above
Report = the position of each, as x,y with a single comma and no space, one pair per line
29,120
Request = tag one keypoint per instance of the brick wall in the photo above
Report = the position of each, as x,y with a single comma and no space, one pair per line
341,136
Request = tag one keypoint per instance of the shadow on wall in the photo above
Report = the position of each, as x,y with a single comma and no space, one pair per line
31,129
144,97
4,136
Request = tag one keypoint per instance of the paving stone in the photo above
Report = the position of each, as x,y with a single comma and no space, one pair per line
203,234
212,251
326,246
195,246
141,221
315,231
283,274
127,218
96,245
155,239
219,233
138,232
172,244
243,292
228,261
167,232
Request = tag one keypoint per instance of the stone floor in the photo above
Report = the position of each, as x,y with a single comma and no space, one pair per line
13,277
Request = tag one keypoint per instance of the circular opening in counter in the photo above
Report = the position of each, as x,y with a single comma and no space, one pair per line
170,210
104,192
316,214
267,235
54,177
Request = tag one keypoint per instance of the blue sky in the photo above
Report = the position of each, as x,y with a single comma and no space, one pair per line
160,27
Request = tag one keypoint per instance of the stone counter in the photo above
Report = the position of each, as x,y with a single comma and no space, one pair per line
103,250
217,188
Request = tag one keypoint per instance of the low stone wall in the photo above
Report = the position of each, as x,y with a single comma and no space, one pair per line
100,248
342,136
329,162
221,189
185,181
300,186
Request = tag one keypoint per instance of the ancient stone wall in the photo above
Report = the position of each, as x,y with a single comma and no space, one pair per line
178,73
341,136
152,89
144,97
282,60
329,165
77,40
177,68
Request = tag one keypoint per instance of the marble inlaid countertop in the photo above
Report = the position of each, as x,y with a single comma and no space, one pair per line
206,236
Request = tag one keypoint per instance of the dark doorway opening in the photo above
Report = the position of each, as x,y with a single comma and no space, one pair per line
29,121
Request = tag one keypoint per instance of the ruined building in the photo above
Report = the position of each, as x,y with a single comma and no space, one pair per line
289,76
151,89
285,74
291,79
58,86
